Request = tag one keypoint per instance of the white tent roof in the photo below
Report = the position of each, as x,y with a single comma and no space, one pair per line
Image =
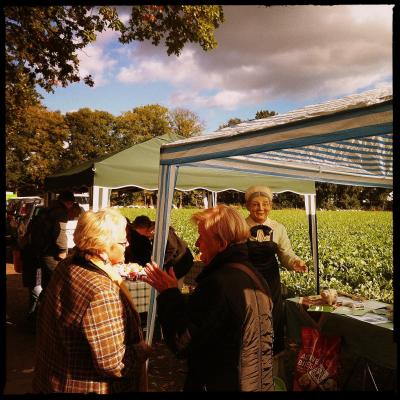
345,141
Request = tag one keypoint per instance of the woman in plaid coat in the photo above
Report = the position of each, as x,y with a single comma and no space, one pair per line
89,338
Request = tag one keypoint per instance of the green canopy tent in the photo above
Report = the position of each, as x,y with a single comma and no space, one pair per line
138,166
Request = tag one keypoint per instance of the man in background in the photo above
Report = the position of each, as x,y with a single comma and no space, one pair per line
57,246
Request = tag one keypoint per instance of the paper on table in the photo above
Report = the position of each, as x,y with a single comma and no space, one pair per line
370,318
346,301
373,304
368,304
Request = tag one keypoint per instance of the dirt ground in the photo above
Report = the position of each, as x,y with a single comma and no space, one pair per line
166,372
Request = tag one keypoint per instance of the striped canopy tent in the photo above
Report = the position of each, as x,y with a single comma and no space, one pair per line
344,141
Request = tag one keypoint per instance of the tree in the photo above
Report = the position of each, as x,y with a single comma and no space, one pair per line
259,114
18,99
34,150
331,196
185,122
42,42
143,123
41,45
91,134
174,24
377,198
264,114
230,123
288,200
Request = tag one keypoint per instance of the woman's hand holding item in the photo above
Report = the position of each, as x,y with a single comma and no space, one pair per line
158,278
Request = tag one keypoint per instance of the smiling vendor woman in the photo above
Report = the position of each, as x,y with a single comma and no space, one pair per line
269,240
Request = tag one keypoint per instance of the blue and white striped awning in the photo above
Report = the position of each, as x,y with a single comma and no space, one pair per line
345,141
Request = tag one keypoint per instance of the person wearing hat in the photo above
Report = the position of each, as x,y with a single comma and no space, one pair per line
177,252
269,241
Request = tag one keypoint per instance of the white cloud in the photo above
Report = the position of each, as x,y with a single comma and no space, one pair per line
225,99
267,52
93,60
124,13
179,71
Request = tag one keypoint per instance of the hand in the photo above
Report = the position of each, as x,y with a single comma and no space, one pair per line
299,266
159,279
142,351
62,255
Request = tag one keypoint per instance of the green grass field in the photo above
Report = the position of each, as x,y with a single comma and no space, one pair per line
355,249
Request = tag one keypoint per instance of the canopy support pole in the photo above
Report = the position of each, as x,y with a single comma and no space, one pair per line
214,199
310,203
99,197
166,186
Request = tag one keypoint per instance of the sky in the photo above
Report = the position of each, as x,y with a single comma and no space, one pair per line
276,58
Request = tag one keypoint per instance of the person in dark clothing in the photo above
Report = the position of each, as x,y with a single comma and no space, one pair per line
57,250
269,242
225,328
140,246
31,279
177,253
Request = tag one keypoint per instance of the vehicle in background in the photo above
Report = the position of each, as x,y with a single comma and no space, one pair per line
18,212
30,209
23,226
21,210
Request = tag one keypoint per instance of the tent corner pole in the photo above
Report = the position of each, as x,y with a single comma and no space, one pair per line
166,185
310,205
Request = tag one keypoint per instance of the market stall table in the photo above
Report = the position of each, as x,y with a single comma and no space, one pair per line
140,292
368,341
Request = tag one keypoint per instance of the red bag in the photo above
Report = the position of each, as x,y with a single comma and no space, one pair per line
318,362
17,261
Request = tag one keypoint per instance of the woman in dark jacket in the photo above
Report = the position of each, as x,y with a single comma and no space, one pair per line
225,328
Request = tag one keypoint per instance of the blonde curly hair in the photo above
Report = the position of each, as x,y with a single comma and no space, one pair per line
97,231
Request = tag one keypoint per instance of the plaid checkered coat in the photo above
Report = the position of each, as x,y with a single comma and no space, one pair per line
87,335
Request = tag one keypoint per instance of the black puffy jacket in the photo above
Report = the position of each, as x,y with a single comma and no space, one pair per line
224,329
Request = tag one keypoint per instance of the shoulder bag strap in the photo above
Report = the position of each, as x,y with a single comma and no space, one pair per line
250,273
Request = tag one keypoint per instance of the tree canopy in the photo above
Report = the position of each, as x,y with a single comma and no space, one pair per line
143,123
48,142
259,114
42,42
185,122
264,114
41,45
91,135
36,147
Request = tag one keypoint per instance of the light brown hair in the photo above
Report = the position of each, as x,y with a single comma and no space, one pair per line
224,222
